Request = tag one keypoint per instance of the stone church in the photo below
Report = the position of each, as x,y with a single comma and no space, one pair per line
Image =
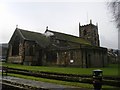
57,49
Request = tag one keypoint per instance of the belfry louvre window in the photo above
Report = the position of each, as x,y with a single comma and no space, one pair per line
84,32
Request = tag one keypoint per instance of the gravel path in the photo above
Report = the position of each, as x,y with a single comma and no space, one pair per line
40,84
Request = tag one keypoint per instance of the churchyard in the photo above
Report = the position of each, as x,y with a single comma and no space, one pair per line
78,77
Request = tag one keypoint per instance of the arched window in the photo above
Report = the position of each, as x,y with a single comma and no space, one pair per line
15,46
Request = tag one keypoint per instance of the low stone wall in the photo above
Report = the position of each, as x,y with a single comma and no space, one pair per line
15,59
112,81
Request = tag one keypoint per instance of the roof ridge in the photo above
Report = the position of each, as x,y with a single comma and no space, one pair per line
29,31
76,37
67,34
64,33
19,30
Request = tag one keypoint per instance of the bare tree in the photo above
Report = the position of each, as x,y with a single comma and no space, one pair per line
115,8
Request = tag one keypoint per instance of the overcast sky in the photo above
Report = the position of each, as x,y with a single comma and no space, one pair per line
58,16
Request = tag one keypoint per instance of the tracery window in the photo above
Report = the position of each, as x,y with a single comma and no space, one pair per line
15,46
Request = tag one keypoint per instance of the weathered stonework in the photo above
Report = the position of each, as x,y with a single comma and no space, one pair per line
90,33
58,49
15,59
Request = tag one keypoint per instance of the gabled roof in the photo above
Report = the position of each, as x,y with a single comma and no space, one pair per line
67,37
39,38
44,41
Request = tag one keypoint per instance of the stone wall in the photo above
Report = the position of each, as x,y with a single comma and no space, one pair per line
98,58
82,57
31,53
15,59
28,60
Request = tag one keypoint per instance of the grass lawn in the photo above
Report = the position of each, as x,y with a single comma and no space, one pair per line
111,70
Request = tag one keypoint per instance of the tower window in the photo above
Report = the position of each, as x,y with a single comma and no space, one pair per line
84,32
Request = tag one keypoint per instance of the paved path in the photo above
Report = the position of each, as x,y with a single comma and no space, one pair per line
40,84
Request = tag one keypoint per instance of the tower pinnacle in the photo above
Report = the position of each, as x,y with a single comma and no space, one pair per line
90,21
47,28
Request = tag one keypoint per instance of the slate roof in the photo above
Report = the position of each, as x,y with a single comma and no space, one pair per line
39,38
71,38
44,41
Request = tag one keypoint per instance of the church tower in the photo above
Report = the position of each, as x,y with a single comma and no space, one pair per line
90,33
